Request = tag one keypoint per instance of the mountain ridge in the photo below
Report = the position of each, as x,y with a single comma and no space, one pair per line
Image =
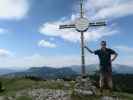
67,71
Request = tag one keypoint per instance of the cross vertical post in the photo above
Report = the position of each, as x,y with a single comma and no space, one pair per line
83,72
81,8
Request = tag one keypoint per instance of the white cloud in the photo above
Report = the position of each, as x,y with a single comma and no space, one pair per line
110,9
124,48
3,31
125,54
5,53
13,9
52,29
44,43
98,10
38,60
125,60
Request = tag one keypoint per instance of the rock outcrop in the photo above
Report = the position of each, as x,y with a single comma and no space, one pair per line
84,86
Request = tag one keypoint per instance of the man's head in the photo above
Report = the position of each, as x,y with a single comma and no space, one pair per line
103,44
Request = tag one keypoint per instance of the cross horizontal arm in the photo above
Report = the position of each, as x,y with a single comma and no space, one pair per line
67,26
97,24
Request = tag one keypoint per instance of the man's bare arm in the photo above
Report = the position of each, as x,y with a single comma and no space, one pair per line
114,56
89,49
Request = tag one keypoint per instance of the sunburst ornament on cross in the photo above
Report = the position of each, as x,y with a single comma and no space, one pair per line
81,25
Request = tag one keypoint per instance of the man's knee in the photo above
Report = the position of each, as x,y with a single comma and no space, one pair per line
110,83
101,81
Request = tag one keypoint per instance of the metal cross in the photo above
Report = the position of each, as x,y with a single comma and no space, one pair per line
82,24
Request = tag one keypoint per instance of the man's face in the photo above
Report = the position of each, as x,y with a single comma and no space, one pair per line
103,45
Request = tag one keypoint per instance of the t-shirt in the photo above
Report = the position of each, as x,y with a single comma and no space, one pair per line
104,57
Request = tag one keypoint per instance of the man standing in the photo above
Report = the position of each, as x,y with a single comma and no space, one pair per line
106,56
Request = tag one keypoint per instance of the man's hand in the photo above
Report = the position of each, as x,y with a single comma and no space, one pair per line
85,47
114,57
88,49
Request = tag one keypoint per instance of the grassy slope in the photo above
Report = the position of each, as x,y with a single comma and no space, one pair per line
13,85
17,84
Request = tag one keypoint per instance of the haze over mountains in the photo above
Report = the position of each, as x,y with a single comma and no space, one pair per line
7,71
50,72
117,68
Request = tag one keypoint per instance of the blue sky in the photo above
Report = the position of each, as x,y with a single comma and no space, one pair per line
29,34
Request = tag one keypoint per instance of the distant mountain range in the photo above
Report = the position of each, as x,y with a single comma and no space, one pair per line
50,72
7,71
45,72
117,68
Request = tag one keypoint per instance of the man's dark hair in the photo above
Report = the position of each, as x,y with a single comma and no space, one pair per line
103,42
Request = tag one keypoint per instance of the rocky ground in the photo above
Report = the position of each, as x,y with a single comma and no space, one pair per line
47,94
40,94
23,89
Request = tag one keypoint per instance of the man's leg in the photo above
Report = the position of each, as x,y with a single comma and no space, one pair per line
101,82
110,83
109,79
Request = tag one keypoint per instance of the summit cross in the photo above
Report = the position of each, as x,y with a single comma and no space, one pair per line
81,25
